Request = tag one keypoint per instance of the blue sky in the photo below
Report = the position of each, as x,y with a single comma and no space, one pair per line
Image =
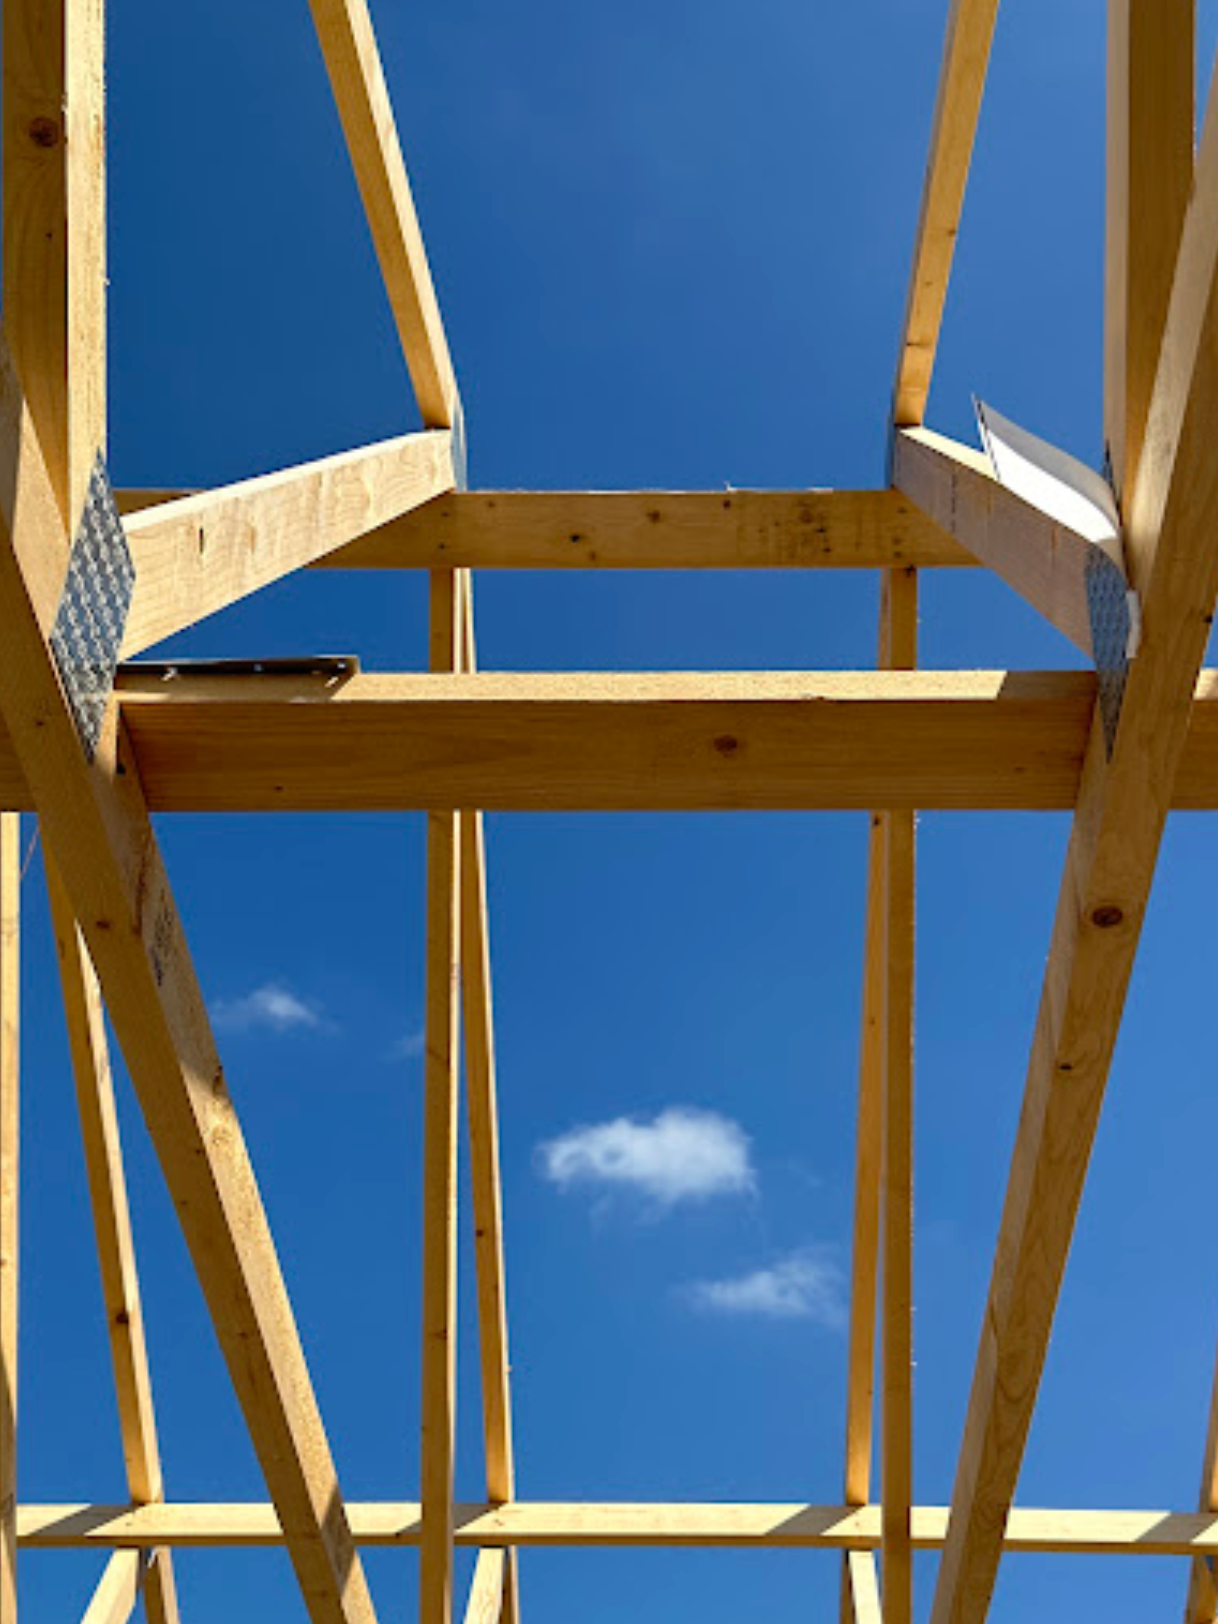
671,239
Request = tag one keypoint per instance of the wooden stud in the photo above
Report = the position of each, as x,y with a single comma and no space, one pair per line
112,1224
862,1588
1123,803
478,1006
10,1190
898,652
486,1592
966,52
96,822
1149,177
118,1590
199,554
441,1085
357,78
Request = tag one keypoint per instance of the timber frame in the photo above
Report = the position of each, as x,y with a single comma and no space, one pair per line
455,741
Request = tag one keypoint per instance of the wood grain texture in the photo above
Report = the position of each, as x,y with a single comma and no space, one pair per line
1171,520
1045,562
793,1525
10,1169
103,1153
966,52
118,1590
1149,176
485,1603
985,740
197,555
658,530
96,822
348,43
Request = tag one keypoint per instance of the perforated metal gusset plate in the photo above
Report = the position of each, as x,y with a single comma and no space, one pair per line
92,616
1108,607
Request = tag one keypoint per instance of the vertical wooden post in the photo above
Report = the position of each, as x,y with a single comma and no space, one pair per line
10,1162
899,622
441,1084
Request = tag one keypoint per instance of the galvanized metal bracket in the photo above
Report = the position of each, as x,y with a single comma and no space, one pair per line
1110,606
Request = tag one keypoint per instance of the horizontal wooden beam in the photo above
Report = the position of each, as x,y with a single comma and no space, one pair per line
196,555
547,1523
1043,561
618,741
657,530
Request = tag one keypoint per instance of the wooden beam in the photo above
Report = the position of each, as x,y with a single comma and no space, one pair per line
1042,560
1149,177
542,1524
112,1224
939,740
478,1006
1123,803
357,78
10,1190
118,1590
199,554
96,823
966,52
898,651
1201,1605
862,1588
441,1088
657,530
485,1604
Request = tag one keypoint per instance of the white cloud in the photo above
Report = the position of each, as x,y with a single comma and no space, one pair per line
682,1154
408,1047
271,1006
806,1285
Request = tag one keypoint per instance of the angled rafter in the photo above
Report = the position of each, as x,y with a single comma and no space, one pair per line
1045,562
1149,176
112,1224
357,78
199,554
966,51
486,1591
484,1144
10,1158
1123,803
862,1598
96,822
441,1088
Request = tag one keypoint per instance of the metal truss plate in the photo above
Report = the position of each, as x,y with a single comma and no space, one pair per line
1108,606
92,615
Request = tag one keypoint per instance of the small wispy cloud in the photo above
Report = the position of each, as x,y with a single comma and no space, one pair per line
272,1007
408,1047
806,1285
682,1154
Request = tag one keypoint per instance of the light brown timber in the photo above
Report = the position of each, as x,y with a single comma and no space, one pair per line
357,78
862,1588
199,554
112,1225
1171,520
441,1088
118,1590
898,651
1045,562
486,1591
483,1111
657,530
96,823
10,1167
625,1524
966,52
1150,117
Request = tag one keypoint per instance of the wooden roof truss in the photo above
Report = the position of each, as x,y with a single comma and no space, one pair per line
890,741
